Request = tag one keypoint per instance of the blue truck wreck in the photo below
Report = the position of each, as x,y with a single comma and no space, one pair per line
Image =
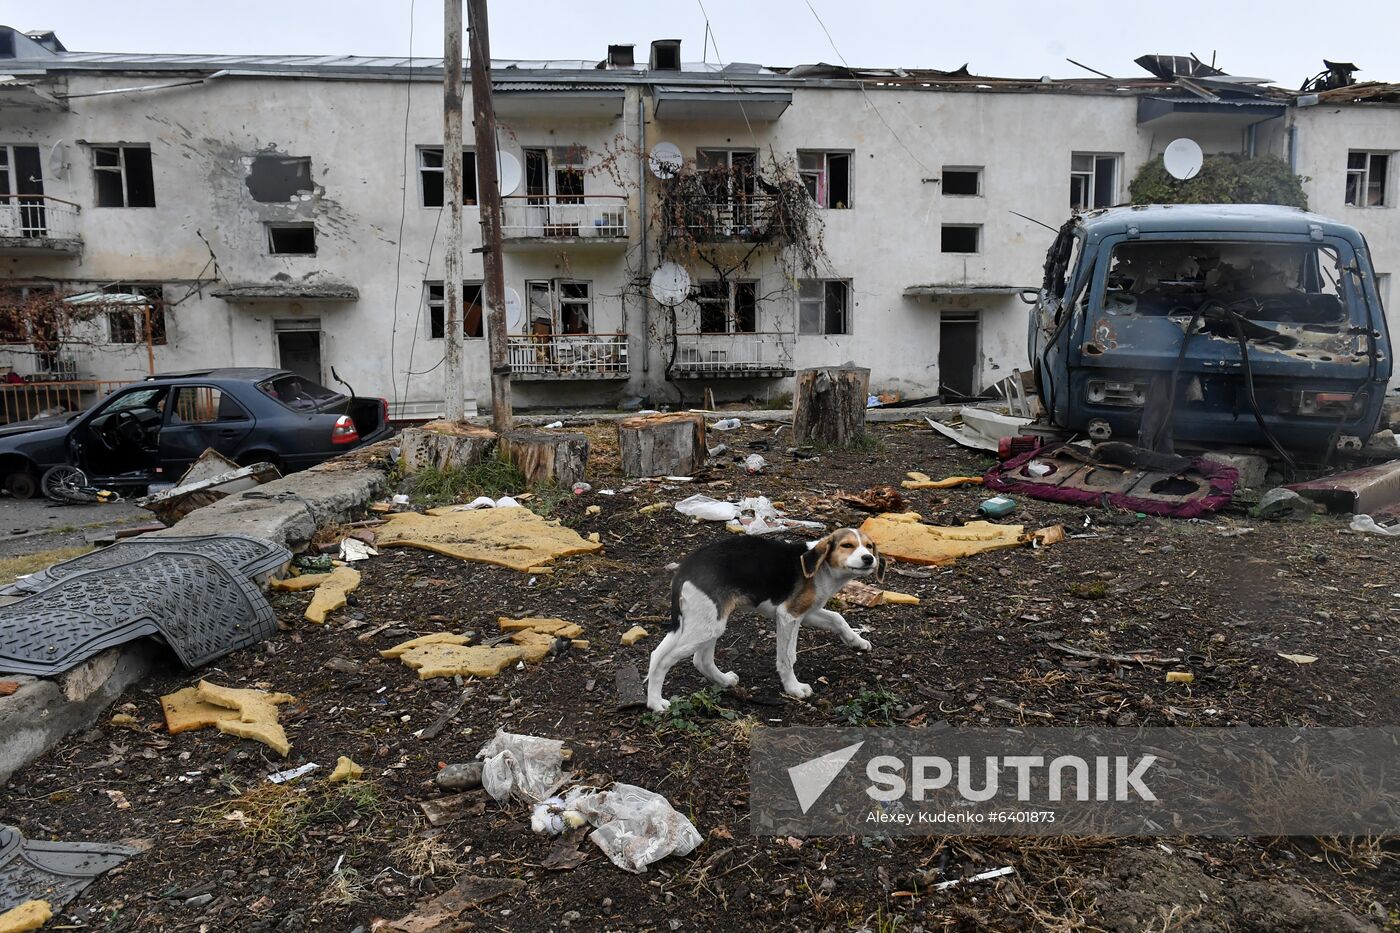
1213,324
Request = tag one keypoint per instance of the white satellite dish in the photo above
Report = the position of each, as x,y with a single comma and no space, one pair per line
512,310
666,160
58,160
507,174
1183,158
670,284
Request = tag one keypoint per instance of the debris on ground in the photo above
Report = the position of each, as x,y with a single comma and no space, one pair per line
458,777
858,593
248,714
486,502
332,594
980,876
514,538
345,770
904,537
291,774
997,506
755,515
441,659
980,428
54,872
1299,659
30,915
210,478
444,911
1284,504
881,498
544,626
353,549
633,826
1365,491
1368,525
526,766
633,635
916,480
299,583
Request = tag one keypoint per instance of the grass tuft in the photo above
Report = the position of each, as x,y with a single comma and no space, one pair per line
871,708
12,568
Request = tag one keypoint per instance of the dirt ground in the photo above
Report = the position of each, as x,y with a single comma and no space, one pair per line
976,652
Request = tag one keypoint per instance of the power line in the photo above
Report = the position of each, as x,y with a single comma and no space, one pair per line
403,211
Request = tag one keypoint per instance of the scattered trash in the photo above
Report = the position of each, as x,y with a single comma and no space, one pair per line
118,799
1284,504
982,876
551,817
331,594
754,464
997,507
248,714
883,498
593,510
210,478
545,626
726,424
442,810
400,499
1038,469
459,777
581,487
515,538
981,429
527,766
633,635
486,502
1180,677
755,516
353,549
554,424
1362,492
291,774
565,855
891,598
1235,532
633,826
345,770
653,507
716,450
707,509
443,912
1298,658
1367,525
917,480
858,593
30,915
903,537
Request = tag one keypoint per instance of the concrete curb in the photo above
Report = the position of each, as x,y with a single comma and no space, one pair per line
879,415
38,715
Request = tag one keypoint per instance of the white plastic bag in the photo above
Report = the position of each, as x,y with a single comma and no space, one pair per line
726,424
634,826
754,463
486,502
1367,525
353,549
524,765
707,509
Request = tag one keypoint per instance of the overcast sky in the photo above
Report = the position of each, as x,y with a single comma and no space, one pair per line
1285,40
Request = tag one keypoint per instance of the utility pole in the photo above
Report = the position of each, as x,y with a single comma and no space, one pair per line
452,195
488,192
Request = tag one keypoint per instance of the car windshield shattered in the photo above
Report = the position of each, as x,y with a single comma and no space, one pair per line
297,393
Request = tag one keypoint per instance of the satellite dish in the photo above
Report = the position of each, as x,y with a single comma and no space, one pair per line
58,160
512,310
666,160
1182,158
507,175
670,284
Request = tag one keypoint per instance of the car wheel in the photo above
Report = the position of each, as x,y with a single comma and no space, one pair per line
21,484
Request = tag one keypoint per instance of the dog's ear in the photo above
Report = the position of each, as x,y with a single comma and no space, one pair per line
812,559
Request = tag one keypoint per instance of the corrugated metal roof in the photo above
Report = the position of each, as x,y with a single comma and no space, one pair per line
554,87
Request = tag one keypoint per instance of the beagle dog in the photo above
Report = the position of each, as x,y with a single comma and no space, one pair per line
787,581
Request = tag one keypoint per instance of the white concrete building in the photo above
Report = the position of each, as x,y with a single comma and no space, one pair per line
286,211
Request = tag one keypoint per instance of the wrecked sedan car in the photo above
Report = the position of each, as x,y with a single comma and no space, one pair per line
151,431
1215,324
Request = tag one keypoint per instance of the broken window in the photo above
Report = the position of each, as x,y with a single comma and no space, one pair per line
827,176
1093,180
123,177
128,324
728,307
560,306
473,308
962,182
291,239
1366,178
205,405
575,307
823,306
430,176
961,238
277,179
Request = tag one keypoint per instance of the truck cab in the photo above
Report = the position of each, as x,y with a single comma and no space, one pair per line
1244,325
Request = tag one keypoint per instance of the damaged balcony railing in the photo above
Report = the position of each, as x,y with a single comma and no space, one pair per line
37,217
741,217
568,356
598,216
732,355
20,401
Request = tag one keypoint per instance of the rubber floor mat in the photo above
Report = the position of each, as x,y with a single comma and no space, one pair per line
55,872
246,554
200,608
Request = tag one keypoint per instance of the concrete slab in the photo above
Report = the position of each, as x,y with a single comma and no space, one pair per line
1251,468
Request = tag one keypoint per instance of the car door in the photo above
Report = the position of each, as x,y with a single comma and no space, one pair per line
197,418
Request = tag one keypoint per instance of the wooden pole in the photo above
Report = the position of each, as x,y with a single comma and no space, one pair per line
150,348
455,407
488,194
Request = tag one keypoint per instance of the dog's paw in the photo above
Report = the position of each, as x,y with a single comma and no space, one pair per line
728,678
859,644
659,705
798,691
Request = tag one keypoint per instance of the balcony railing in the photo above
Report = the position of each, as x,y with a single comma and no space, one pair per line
591,216
20,401
742,217
568,356
701,356
25,218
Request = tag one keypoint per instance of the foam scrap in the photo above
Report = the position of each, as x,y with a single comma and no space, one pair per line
633,635
307,581
27,916
544,626
890,597
256,716
345,770
535,645
436,638
514,538
330,595
439,660
902,537
919,480
185,710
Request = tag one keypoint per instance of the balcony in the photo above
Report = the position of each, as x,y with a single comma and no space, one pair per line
564,357
581,220
746,218
36,224
733,356
44,396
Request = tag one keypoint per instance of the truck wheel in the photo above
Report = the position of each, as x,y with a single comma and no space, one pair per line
21,484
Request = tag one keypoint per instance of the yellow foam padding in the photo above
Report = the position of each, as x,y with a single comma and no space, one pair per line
185,710
330,595
27,916
307,581
514,538
633,635
923,481
454,660
542,625
579,643
345,770
898,599
902,537
535,645
256,717
437,638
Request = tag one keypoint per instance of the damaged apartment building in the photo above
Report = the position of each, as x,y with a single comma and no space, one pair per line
286,211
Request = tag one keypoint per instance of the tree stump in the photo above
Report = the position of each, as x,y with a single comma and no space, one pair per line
546,457
444,445
829,405
662,445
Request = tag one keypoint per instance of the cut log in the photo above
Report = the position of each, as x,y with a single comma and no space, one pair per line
546,458
444,446
662,445
828,407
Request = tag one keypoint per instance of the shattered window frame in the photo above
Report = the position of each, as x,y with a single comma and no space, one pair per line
815,167
1367,182
434,176
824,307
113,171
127,326
1087,190
473,296
563,295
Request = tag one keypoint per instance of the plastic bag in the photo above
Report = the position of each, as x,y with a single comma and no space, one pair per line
754,463
1367,525
486,502
634,826
726,424
353,549
524,765
707,509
